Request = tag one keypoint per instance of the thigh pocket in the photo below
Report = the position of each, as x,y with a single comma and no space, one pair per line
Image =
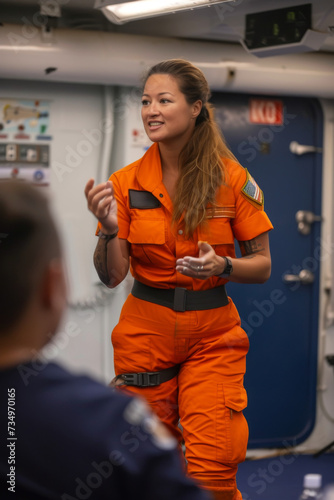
231,425
131,348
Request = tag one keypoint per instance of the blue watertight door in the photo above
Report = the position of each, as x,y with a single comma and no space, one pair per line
267,135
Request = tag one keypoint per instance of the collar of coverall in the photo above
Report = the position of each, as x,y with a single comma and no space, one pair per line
149,176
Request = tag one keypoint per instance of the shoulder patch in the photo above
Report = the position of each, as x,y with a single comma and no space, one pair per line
138,414
252,190
136,411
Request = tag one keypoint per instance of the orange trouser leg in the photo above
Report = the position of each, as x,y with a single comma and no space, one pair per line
211,400
208,393
141,345
225,495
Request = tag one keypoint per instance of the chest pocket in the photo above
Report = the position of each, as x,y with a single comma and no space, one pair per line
147,237
217,230
147,231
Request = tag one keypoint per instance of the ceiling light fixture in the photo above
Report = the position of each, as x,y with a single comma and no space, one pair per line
121,13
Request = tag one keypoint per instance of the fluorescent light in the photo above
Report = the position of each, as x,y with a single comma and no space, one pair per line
141,9
20,48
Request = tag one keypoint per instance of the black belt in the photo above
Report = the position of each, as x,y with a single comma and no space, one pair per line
181,299
148,379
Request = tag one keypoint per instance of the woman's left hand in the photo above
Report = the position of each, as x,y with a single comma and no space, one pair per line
207,264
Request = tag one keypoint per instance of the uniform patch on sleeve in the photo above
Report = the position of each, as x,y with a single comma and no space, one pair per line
138,414
219,212
252,190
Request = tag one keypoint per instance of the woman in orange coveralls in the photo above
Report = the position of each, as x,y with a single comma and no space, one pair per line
173,216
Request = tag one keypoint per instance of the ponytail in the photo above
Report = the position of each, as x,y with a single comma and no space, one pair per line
202,172
203,116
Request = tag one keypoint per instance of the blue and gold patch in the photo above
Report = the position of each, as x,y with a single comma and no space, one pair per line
252,190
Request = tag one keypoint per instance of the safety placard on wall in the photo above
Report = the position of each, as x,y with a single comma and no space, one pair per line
24,140
266,111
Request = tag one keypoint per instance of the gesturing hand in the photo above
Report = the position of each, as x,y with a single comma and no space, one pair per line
207,264
102,203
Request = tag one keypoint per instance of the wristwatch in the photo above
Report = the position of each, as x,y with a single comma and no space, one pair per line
228,268
107,237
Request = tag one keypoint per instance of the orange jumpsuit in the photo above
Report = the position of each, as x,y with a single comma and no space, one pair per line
208,394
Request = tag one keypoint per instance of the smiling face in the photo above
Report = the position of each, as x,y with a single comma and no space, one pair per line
167,117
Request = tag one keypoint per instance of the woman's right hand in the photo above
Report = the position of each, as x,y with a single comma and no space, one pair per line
102,203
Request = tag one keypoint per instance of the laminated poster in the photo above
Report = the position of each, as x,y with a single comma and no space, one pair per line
25,140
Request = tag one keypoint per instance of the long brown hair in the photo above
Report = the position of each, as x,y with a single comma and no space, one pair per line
201,164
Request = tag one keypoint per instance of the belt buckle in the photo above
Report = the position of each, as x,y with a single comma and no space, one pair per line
179,304
142,379
147,379
152,379
130,378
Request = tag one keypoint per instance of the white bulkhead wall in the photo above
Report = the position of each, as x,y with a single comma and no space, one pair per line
84,140
80,128
324,426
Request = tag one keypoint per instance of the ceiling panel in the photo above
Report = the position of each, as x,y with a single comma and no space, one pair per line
224,22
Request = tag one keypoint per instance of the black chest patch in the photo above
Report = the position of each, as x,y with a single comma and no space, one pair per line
143,199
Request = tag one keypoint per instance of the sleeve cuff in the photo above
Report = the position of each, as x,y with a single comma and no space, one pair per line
248,229
122,233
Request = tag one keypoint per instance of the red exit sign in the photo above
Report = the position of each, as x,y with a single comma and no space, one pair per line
265,111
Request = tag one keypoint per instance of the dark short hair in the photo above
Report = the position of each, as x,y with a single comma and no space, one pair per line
28,242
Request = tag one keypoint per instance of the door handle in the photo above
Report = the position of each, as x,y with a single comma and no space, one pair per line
304,219
301,149
305,277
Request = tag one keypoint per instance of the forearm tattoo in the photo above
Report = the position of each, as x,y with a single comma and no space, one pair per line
250,247
100,261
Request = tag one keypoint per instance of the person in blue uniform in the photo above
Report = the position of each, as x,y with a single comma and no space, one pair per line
65,436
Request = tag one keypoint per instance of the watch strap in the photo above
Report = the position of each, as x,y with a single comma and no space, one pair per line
228,268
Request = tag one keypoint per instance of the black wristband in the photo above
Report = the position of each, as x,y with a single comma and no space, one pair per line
107,237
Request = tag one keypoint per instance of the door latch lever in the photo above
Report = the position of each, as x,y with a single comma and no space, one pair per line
305,219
